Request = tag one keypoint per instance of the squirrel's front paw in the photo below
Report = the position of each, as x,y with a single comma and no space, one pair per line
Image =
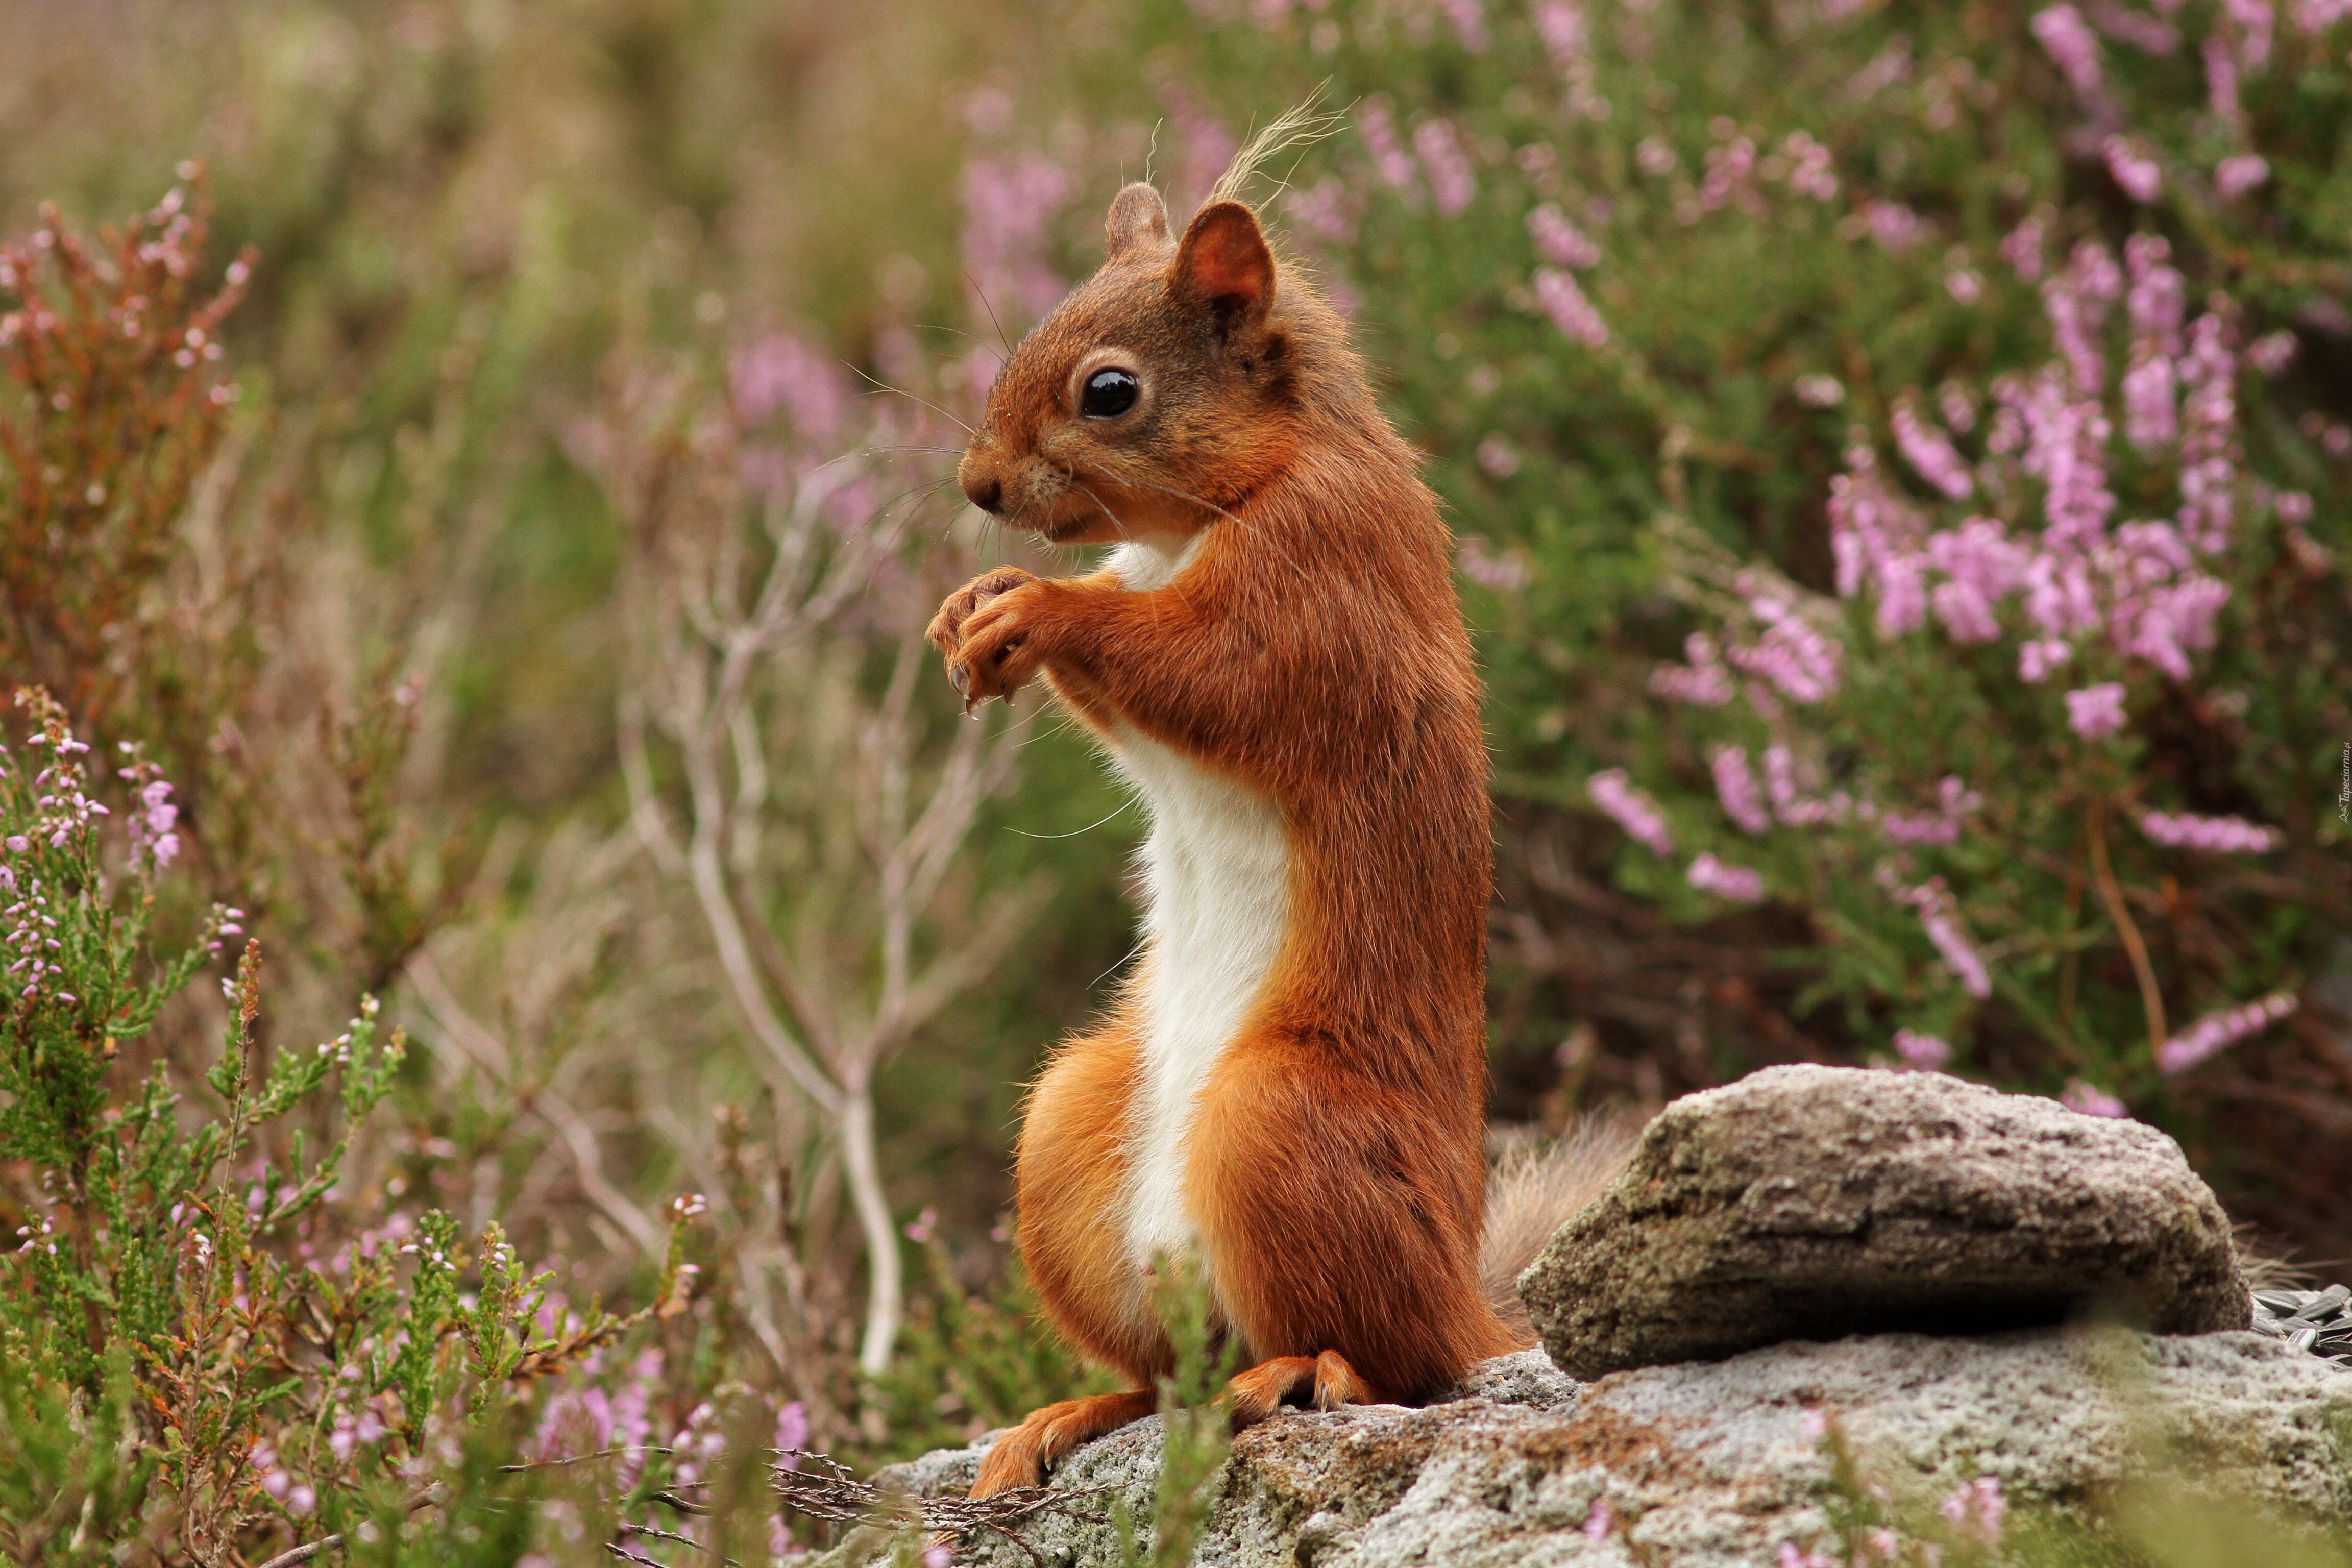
1000,648
946,632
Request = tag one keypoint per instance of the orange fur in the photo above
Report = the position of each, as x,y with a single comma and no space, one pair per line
1311,650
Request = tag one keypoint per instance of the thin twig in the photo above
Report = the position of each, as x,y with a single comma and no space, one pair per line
2110,890
288,1559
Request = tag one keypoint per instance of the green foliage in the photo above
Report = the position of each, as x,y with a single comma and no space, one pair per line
968,1361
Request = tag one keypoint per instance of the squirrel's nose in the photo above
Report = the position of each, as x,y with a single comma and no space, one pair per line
985,491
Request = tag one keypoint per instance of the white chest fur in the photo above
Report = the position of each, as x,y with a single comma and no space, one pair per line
1215,874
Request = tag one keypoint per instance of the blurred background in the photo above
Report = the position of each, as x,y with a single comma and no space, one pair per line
530,635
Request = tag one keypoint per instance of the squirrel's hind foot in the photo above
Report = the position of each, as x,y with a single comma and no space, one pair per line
1326,1381
1020,1458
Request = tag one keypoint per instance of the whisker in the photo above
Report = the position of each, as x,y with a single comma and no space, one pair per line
981,295
1089,827
881,385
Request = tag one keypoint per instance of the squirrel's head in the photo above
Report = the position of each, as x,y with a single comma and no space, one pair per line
1165,388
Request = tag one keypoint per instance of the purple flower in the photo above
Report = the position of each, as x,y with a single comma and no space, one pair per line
1735,786
1562,243
777,373
2215,834
1940,920
2134,169
1612,791
1441,158
1377,125
2233,177
1976,1508
2097,712
2150,404
2090,1100
1469,19
1601,1521
1798,660
1704,682
1895,226
1738,883
1569,311
1011,206
1927,1053
2218,1030
2072,45
1930,451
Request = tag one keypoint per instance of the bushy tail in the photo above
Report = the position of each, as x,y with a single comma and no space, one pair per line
1531,1192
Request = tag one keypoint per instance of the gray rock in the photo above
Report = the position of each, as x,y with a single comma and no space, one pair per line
1815,1201
1719,1464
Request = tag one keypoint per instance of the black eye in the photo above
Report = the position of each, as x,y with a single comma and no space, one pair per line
1108,393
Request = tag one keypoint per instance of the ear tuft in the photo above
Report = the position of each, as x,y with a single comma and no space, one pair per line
1137,222
1225,263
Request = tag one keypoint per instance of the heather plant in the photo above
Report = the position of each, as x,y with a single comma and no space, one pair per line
199,1349
1899,469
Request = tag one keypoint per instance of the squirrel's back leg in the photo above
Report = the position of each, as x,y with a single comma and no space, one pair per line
1072,1184
1340,1216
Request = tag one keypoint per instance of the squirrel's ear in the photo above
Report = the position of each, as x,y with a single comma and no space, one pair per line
1137,221
1224,263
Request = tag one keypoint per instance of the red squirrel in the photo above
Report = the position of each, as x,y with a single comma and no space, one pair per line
1289,1089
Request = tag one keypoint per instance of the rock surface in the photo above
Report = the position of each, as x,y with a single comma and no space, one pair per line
1718,1463
1815,1201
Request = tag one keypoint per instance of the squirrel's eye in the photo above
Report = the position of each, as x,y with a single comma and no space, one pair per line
1108,393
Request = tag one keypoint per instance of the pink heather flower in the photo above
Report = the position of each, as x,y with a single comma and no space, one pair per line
2274,352
919,1229
777,373
792,1431
1798,660
2293,507
2097,712
1895,226
1612,791
1735,786
1927,1053
1918,828
1504,574
1562,243
1011,206
2253,18
1818,391
1469,19
2151,414
2216,835
1792,1556
1441,158
2021,247
1560,24
1976,1510
1704,682
1569,311
1930,451
2217,1031
938,1555
2233,177
2090,1101
2318,15
2221,80
1375,124
1498,457
1654,158
1601,1521
2134,169
1730,168
1981,566
1966,285
1809,164
1788,803
2157,294
1725,881
2072,45
1940,920
1326,209
2143,32
300,1500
